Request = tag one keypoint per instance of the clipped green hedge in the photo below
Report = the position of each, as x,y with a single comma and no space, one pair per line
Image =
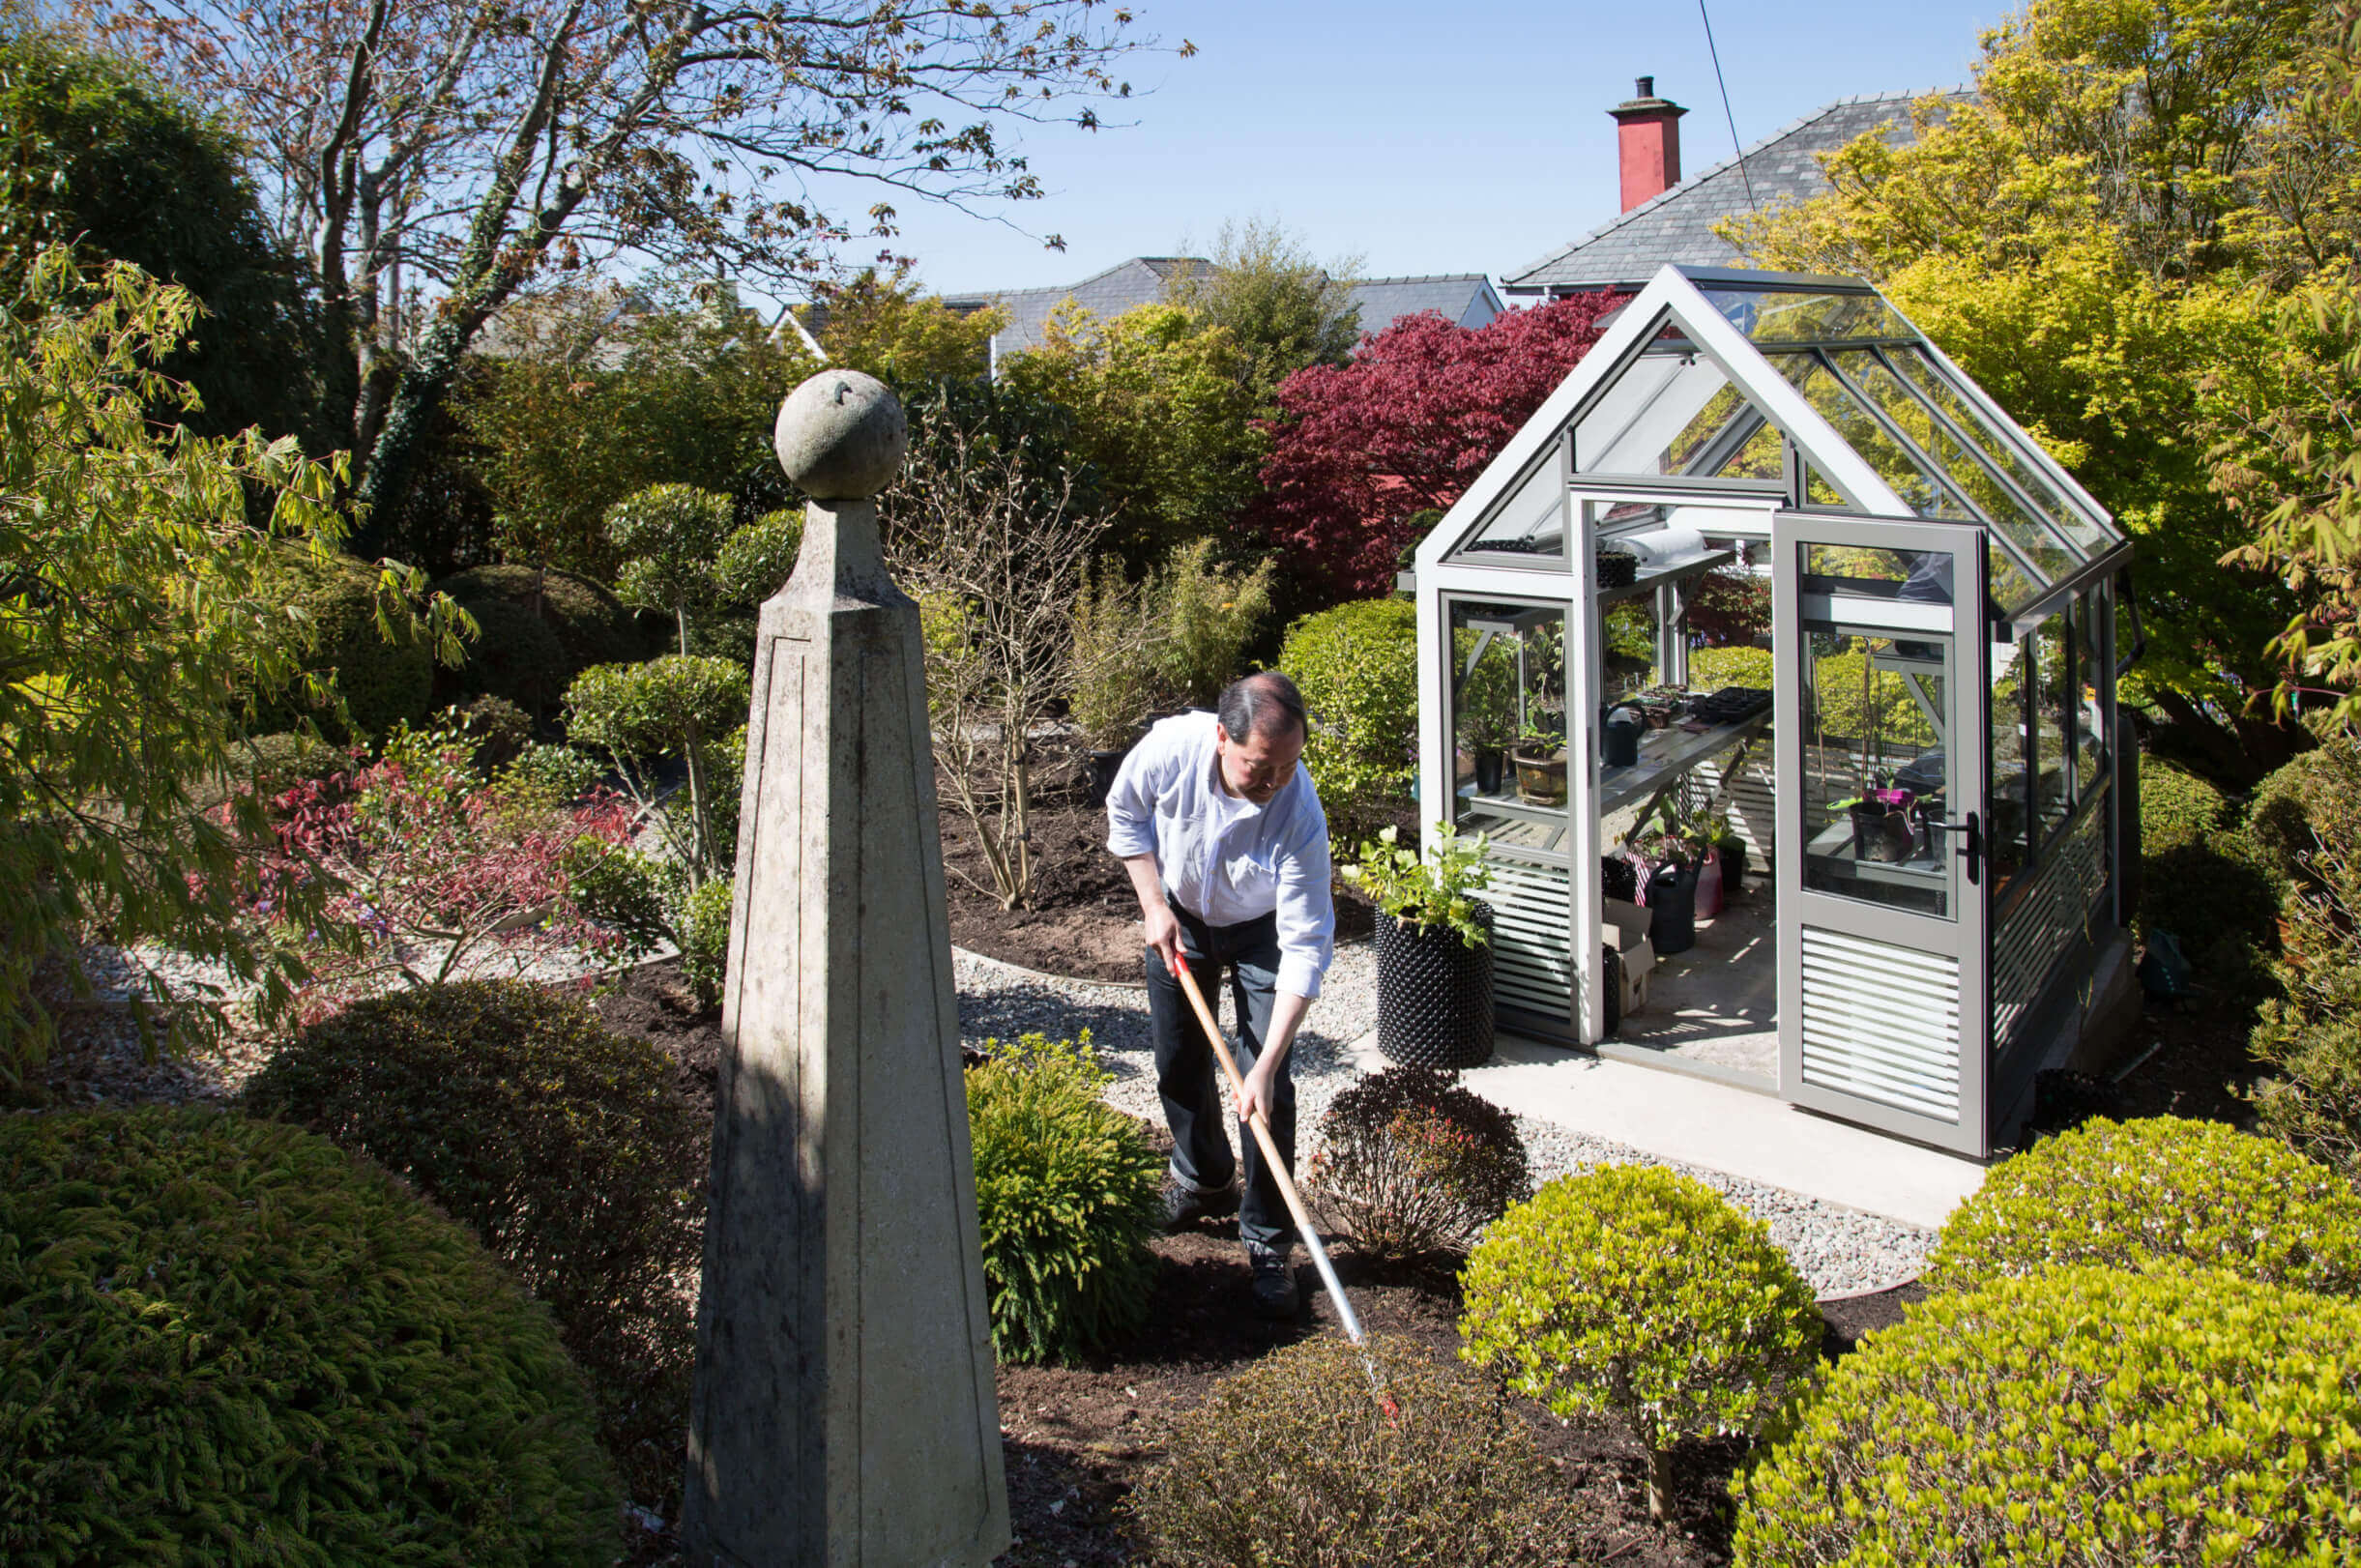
1067,1194
567,1148
515,656
1642,1294
2127,1194
225,1341
589,621
2080,1416
2177,809
1294,1461
382,682
1358,668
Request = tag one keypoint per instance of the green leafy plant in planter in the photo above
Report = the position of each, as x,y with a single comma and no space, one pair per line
1434,946
1634,1293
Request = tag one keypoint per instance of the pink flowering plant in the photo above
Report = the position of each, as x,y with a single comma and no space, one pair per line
432,872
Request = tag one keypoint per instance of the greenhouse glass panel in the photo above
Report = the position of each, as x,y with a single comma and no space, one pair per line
1676,413
2011,780
1921,490
1922,373
2052,722
2089,668
1772,318
1508,716
1529,528
2036,542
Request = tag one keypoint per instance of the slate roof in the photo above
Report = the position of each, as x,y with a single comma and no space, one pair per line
1463,299
1123,286
1677,225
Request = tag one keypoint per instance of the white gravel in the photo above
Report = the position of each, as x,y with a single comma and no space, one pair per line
1839,1251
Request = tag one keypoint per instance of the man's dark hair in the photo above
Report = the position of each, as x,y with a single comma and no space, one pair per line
1265,704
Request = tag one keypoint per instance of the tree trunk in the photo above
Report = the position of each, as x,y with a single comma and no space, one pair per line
1659,1483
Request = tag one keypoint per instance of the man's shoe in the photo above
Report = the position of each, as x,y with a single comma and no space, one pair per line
1274,1284
1184,1205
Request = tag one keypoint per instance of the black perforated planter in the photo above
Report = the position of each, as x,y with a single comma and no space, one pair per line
1434,994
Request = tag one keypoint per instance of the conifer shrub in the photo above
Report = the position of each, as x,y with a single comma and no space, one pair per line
1637,1293
1293,1460
1358,668
1411,1165
227,1341
2082,1415
2127,1194
567,1148
1067,1192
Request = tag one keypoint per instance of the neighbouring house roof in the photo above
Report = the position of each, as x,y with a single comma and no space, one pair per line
1124,286
1678,226
1462,299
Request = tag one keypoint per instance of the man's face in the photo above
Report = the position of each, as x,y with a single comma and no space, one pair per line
1259,765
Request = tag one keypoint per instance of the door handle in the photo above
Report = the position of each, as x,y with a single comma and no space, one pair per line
1973,850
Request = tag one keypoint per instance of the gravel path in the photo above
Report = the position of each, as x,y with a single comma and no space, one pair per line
1839,1251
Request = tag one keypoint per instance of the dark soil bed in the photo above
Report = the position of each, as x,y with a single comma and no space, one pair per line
1077,1438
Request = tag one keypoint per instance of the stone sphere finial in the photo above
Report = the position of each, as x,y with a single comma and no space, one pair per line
841,435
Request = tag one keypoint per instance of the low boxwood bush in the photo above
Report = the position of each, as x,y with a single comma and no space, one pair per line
2178,808
1357,667
1294,1461
1640,1294
2082,1415
1411,1165
2125,1193
566,1148
1067,1192
227,1341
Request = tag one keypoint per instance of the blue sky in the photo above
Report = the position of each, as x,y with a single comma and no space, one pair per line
1425,138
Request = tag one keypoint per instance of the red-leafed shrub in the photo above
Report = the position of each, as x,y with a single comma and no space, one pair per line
1361,450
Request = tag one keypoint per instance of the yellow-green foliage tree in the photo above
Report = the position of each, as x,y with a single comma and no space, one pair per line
2095,239
135,623
1163,409
598,396
883,326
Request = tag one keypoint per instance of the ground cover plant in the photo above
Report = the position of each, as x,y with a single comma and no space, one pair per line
1411,1165
1636,1293
229,1341
1066,1196
2124,1195
1295,1461
563,1146
2079,1415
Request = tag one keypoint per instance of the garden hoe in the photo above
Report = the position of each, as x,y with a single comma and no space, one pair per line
1287,1190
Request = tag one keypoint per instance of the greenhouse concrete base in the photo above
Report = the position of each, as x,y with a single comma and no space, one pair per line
1721,1126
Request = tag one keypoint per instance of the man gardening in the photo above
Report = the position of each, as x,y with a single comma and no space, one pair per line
1217,823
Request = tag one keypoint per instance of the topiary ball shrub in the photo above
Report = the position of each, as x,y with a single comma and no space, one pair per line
382,682
2125,1193
1067,1192
1293,1461
515,657
1411,1165
567,1148
1634,1293
227,1341
500,729
2082,1415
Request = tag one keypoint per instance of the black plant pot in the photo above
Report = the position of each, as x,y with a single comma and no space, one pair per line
1671,908
1103,768
1734,867
1491,770
1434,994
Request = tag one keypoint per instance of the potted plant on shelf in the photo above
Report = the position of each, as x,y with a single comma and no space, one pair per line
1434,947
1540,760
1675,851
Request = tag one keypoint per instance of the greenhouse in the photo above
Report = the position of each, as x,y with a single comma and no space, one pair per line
1768,573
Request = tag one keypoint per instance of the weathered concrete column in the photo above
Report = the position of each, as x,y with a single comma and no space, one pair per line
845,1411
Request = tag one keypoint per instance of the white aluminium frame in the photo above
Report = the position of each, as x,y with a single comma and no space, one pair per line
1672,297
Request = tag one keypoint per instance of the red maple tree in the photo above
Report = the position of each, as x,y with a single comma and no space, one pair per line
1359,450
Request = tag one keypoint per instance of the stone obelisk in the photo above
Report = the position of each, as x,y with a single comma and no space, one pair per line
845,1411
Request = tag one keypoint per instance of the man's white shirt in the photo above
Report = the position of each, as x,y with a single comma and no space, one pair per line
1222,858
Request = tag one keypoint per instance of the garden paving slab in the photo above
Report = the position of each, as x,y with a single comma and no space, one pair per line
1718,1126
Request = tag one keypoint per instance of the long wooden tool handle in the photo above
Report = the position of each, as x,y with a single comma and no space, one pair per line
1278,1166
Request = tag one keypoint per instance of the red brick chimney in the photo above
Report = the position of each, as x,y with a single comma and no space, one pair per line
1647,134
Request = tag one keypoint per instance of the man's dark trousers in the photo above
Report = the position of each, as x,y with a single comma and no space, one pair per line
1197,1101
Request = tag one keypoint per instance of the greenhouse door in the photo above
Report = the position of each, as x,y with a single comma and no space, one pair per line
1880,764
